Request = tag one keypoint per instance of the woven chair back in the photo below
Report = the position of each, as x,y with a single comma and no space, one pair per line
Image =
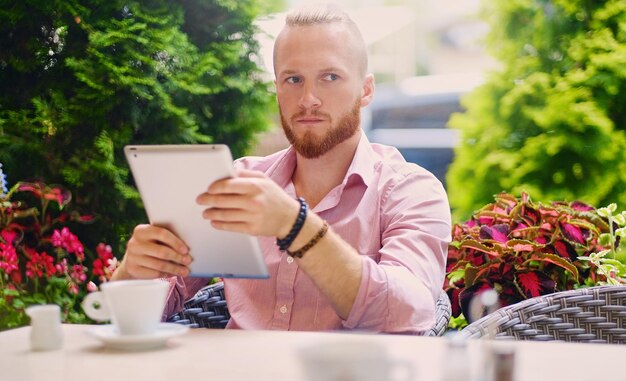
589,315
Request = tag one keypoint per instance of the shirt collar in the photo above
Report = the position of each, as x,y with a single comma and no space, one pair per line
282,169
363,163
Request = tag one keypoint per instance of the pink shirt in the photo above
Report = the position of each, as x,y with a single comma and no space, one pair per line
395,214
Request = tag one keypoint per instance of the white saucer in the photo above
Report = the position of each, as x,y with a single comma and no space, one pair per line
112,339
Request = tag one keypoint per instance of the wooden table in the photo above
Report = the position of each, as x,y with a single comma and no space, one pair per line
204,354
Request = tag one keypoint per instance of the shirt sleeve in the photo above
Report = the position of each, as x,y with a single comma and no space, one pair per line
181,289
398,293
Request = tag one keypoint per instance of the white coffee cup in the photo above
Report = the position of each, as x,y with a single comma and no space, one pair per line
133,306
358,360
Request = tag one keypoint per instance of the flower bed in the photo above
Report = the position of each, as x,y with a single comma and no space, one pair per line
41,259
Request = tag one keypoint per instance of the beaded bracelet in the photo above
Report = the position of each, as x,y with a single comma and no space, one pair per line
320,234
284,243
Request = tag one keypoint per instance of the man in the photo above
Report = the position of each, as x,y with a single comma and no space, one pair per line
380,265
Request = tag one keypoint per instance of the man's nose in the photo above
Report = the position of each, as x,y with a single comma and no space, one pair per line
309,99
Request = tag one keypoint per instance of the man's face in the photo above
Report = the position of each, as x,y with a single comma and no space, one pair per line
320,87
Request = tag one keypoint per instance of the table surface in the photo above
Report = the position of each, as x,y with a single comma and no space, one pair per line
207,354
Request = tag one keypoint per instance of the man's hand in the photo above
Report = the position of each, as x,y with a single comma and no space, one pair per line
250,203
153,252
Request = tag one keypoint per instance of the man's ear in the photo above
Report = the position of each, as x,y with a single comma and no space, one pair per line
367,92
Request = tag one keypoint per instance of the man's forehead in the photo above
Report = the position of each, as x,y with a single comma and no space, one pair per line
313,31
325,37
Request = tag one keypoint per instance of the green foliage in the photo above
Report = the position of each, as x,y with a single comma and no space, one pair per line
552,121
79,80
611,262
457,322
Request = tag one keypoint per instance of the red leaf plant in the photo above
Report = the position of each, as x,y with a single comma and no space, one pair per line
41,259
522,249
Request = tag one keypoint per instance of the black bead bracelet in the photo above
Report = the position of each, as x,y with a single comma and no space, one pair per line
284,243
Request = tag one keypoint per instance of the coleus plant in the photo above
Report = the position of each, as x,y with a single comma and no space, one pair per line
523,249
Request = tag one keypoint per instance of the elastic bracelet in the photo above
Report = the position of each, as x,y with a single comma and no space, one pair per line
320,234
284,243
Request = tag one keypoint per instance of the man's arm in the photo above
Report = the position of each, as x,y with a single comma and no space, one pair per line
332,264
399,287
253,204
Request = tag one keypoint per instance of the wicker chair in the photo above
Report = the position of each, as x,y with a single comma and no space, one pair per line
207,309
443,311
589,315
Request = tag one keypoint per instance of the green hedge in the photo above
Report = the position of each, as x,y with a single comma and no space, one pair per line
81,79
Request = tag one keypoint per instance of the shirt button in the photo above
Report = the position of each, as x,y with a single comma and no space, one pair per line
283,310
289,259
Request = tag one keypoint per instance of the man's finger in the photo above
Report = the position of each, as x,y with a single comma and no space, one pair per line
162,252
160,267
224,200
147,233
235,185
237,227
226,215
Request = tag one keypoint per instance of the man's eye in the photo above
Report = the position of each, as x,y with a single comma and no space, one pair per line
331,77
293,80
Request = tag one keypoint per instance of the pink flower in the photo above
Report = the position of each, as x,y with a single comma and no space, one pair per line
112,264
62,266
8,258
69,242
104,251
72,288
105,254
91,287
78,273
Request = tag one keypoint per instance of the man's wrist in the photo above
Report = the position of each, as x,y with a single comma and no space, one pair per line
284,243
312,242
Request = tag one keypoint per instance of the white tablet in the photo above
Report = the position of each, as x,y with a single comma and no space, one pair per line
169,178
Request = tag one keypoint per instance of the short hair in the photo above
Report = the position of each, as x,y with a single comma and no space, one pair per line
319,14
312,14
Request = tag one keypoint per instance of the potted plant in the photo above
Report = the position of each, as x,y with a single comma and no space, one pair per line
523,249
41,260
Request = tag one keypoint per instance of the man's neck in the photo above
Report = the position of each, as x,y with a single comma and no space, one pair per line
314,178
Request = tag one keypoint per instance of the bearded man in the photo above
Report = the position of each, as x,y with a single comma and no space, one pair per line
370,253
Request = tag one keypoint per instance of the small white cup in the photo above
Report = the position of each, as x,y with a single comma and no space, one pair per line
362,361
45,332
133,306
